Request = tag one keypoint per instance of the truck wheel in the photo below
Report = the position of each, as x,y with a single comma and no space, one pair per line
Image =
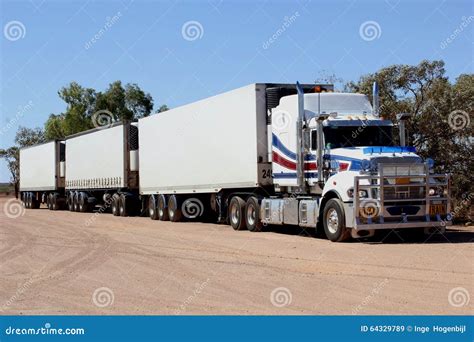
174,211
122,206
83,202
152,210
115,205
237,213
70,201
334,221
252,215
163,214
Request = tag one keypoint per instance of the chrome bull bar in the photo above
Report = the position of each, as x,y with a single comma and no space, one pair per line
396,188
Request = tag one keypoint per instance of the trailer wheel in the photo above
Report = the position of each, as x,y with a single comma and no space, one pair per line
70,201
28,200
83,202
54,201
237,213
174,211
35,204
122,206
152,210
48,201
334,221
252,215
115,205
162,209
75,201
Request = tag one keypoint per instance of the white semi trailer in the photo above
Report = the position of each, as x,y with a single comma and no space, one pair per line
42,175
102,169
263,154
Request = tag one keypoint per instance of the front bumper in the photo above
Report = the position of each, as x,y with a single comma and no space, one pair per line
402,225
392,192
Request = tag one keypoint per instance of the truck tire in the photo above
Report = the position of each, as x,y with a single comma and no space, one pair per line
35,204
28,200
123,205
252,215
48,201
70,201
152,209
237,213
162,208
174,210
55,201
83,202
115,205
75,201
334,221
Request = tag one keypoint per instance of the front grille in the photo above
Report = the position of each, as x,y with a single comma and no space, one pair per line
403,192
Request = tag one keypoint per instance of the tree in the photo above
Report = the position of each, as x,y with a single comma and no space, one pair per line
23,138
425,92
163,108
118,102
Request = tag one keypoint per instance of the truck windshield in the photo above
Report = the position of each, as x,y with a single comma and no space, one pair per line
344,136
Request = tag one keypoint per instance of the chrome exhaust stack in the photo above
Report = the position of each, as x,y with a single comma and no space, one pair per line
300,178
375,100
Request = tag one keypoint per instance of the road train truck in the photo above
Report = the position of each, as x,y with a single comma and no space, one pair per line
264,154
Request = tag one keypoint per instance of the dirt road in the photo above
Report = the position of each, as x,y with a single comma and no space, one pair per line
73,263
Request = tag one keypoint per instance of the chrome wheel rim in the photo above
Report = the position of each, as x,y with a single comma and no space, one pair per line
332,220
235,215
251,215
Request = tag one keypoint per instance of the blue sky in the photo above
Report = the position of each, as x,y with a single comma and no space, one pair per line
47,44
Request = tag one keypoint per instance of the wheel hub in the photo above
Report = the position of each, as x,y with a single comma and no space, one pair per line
332,220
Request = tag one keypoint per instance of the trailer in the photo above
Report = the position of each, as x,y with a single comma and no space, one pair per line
42,175
102,169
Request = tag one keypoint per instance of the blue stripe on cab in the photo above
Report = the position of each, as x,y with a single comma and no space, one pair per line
278,144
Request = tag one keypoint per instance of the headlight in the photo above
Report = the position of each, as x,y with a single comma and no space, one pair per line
365,164
362,193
